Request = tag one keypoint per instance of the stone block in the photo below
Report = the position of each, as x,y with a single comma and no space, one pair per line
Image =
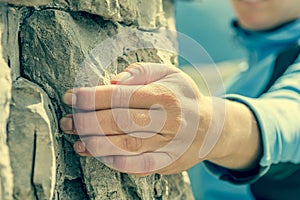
146,15
27,2
30,139
10,19
6,176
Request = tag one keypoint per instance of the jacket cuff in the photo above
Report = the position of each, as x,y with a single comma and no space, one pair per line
236,177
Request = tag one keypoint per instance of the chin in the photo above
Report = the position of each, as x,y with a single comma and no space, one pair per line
256,26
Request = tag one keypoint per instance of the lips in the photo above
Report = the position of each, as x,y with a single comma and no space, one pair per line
252,1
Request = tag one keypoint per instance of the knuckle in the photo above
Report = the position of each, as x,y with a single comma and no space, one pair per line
176,119
140,119
108,160
147,163
139,164
180,121
113,120
85,98
123,121
119,97
120,163
176,122
94,145
79,122
87,123
91,146
132,144
168,98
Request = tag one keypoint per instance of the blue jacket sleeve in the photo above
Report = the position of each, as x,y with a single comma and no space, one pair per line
278,116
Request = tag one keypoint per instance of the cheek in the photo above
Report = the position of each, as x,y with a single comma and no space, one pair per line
266,15
290,10
259,19
255,20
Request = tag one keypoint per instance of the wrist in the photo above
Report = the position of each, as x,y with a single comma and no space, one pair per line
238,146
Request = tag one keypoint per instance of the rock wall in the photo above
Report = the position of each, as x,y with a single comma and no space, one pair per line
6,177
44,43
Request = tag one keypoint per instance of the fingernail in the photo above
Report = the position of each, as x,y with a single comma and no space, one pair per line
79,147
69,98
120,78
66,124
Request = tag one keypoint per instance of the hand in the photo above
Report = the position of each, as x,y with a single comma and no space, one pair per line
147,121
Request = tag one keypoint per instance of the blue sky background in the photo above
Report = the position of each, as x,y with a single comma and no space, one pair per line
208,22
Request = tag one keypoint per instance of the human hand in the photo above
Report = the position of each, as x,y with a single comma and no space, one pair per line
147,121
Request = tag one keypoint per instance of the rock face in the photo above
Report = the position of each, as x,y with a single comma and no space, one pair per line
30,139
46,42
27,2
6,177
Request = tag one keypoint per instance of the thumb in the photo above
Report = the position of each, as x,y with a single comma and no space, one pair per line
143,74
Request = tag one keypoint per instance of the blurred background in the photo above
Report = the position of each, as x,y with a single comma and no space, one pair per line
208,22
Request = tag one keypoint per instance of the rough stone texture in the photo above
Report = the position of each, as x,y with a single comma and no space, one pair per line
146,15
6,177
31,129
27,2
47,45
10,19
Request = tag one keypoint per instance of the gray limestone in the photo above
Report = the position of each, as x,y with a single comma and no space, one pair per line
31,130
6,176
27,2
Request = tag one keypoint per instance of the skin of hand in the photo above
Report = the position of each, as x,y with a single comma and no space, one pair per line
153,119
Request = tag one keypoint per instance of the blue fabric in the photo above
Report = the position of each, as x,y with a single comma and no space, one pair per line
277,111
207,186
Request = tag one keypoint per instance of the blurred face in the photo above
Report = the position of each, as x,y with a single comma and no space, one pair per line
262,15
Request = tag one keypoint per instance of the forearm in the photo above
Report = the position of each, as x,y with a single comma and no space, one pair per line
239,145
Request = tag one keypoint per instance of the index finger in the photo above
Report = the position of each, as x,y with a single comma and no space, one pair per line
118,96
